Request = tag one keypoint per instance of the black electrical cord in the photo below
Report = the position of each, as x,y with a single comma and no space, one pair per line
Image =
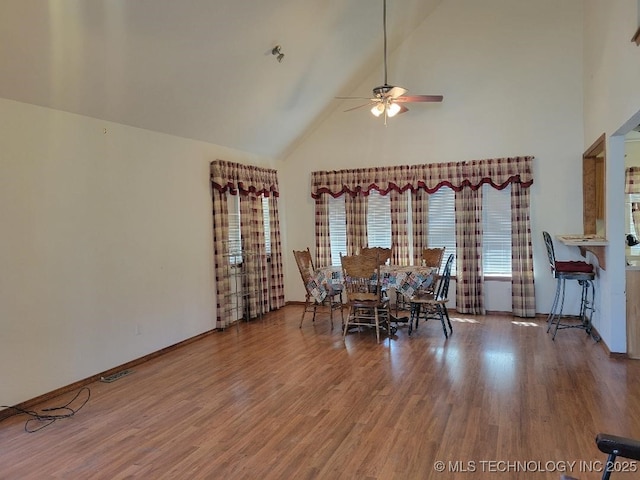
48,418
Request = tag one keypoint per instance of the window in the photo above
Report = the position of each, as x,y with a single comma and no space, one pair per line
266,219
378,224
378,220
496,231
337,229
235,240
441,226
235,236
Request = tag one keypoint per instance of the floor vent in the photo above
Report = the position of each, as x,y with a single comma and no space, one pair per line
115,376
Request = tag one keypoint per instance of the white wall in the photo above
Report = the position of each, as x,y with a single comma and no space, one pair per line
632,153
106,246
612,106
511,75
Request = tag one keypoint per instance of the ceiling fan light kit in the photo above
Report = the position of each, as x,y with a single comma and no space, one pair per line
378,109
389,100
388,108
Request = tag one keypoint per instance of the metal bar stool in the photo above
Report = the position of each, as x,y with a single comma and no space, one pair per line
570,270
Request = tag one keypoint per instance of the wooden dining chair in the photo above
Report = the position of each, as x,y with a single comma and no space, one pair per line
384,257
433,305
430,257
384,254
333,298
367,304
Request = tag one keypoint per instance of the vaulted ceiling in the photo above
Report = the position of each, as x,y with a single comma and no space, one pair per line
200,69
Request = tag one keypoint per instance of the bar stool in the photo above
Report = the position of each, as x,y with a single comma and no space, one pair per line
570,270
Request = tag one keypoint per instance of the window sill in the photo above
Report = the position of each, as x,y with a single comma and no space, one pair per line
498,278
492,278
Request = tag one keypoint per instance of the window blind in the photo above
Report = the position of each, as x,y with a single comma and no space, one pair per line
496,231
266,219
337,229
235,235
441,221
378,220
235,240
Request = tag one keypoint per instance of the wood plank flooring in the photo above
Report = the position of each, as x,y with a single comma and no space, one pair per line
273,401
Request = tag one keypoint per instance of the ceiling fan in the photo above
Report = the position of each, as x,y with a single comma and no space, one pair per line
389,100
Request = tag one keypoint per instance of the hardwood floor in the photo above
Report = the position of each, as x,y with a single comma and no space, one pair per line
273,401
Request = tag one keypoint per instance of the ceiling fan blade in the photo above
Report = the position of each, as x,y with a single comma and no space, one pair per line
353,98
419,98
402,109
360,106
396,92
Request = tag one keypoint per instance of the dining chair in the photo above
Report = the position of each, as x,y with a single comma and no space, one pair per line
368,305
384,254
426,305
333,299
430,257
384,257
570,270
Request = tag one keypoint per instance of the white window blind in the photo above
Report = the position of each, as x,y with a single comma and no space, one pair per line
378,220
496,231
235,240
337,229
266,219
441,229
235,235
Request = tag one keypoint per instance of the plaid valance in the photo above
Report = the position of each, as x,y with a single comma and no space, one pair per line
499,172
244,179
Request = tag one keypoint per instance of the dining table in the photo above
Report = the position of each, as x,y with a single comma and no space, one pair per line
404,279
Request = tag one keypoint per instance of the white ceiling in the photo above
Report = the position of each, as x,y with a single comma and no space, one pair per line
200,69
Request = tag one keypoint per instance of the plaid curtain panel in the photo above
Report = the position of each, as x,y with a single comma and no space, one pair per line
323,238
251,183
469,278
632,180
276,292
254,253
356,212
220,237
419,219
399,230
523,298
